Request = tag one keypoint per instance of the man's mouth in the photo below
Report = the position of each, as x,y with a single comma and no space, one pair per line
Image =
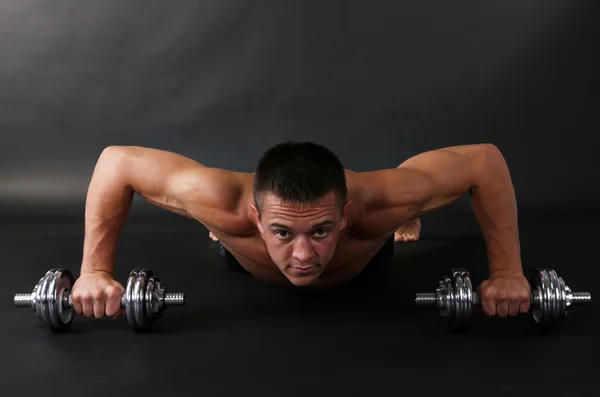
304,269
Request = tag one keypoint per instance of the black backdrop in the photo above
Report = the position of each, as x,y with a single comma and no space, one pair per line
221,80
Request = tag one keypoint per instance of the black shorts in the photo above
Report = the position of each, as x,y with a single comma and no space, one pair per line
381,258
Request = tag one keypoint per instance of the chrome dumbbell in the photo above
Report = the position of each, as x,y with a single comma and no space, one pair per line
549,302
144,299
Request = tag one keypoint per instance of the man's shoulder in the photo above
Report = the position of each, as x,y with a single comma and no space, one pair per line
368,185
222,202
374,210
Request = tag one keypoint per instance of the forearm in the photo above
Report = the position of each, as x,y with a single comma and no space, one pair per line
107,206
495,208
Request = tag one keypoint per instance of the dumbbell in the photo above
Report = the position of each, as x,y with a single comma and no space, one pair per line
549,301
144,299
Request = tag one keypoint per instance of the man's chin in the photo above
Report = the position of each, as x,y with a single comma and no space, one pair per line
303,277
302,281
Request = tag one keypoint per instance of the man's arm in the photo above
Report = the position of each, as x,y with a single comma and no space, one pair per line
167,180
438,178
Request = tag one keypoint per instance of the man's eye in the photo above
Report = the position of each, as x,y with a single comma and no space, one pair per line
282,234
321,232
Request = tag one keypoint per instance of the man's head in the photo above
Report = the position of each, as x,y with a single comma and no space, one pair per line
300,204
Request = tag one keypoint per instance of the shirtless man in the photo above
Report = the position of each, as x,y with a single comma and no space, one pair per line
301,219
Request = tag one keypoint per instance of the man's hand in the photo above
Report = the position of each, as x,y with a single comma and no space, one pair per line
505,294
97,294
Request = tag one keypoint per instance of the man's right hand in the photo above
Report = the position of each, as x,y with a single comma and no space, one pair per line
97,294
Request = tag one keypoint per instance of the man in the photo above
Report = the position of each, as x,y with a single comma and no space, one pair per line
301,219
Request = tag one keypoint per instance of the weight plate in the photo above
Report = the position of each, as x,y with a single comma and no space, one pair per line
41,298
461,298
562,288
60,315
129,305
138,297
537,309
139,293
150,315
549,291
549,288
558,294
466,296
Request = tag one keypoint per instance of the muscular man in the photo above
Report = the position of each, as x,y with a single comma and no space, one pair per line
302,219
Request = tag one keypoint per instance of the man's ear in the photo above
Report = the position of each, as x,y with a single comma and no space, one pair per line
256,214
345,212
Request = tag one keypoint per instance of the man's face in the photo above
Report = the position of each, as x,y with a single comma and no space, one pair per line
301,240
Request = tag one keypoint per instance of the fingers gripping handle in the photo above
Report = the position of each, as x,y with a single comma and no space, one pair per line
549,300
477,298
144,300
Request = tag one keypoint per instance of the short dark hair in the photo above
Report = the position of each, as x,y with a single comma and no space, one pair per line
300,172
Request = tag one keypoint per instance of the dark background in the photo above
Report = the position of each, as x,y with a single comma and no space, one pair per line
222,80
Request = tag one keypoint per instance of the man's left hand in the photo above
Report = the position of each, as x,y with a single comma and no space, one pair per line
505,294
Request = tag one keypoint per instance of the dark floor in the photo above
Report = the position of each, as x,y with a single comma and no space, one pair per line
237,336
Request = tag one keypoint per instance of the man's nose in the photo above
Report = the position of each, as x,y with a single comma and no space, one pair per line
303,250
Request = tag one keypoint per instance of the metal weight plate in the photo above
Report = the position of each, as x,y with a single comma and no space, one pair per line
143,299
465,302
151,315
138,300
129,307
557,285
137,290
41,298
537,308
549,306
149,287
445,292
459,301
139,293
60,285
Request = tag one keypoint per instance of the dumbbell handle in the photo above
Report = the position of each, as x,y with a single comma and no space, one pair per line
27,299
576,298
